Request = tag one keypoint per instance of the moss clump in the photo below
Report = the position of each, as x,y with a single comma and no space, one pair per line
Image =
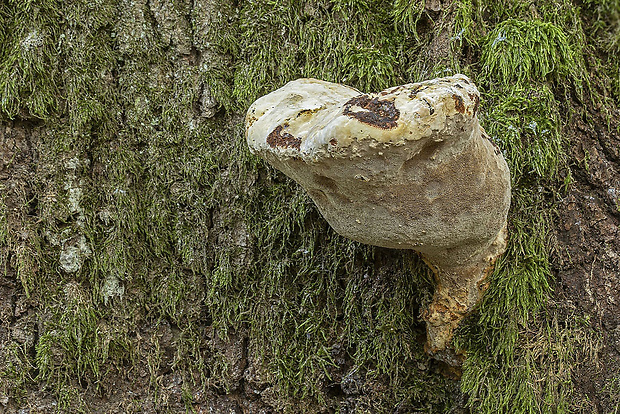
4,230
527,125
75,344
29,76
519,52
607,24
406,15
541,367
604,29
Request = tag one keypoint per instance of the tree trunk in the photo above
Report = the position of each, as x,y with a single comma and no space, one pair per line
150,263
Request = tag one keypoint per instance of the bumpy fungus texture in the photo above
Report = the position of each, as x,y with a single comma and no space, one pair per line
408,168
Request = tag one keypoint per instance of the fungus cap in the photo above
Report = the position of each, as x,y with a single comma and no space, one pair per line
406,168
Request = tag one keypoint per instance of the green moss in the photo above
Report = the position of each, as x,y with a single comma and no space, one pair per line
196,232
520,43
466,24
604,28
370,67
16,374
29,76
607,24
75,344
351,42
4,229
538,376
527,126
406,15
612,389
518,52
26,262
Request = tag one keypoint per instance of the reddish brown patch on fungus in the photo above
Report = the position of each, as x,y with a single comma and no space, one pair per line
280,139
333,141
380,114
476,100
459,104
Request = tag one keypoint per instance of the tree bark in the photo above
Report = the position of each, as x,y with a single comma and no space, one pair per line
149,263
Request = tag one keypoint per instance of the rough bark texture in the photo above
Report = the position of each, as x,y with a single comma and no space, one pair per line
149,263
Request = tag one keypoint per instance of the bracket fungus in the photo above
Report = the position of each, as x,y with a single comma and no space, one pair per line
406,168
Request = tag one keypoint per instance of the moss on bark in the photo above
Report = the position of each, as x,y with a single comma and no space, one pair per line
141,243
